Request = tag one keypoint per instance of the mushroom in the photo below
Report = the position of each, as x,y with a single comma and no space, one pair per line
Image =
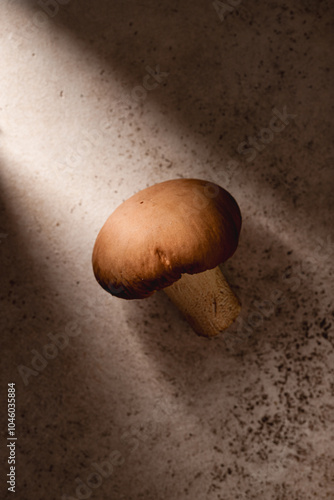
172,236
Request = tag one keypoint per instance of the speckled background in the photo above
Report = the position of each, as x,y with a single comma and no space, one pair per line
120,399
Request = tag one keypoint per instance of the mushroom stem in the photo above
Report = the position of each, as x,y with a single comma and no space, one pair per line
206,300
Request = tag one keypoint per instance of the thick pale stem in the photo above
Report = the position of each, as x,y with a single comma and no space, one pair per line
206,300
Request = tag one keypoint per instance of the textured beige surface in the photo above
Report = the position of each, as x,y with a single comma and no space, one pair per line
99,100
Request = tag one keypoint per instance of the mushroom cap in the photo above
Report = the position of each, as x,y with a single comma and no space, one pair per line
174,227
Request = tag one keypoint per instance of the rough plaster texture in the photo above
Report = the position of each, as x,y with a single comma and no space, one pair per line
249,415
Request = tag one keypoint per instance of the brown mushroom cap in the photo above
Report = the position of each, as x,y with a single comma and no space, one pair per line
174,227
